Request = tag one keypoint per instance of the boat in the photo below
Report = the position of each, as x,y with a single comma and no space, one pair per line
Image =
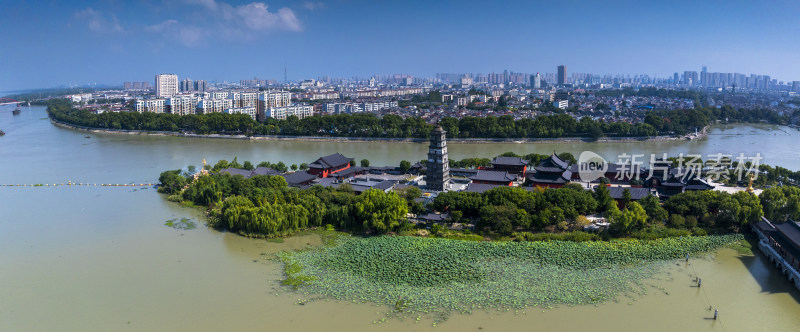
2,133
16,111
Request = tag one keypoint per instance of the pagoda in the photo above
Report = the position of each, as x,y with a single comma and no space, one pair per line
438,173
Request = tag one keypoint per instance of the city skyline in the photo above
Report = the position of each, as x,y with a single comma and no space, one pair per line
111,42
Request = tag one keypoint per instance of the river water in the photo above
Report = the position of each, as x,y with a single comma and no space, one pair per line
101,259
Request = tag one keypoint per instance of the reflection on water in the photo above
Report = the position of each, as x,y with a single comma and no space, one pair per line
99,258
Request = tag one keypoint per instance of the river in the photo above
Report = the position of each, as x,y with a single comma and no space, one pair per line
100,258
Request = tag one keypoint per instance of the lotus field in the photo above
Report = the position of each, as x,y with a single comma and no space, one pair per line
422,275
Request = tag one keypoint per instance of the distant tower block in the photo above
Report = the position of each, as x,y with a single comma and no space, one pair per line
438,174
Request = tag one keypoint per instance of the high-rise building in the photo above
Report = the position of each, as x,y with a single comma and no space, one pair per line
562,75
704,79
271,99
200,86
166,85
690,78
537,81
438,174
186,85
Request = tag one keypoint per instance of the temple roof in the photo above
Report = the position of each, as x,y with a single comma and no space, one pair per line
331,161
550,177
493,176
551,164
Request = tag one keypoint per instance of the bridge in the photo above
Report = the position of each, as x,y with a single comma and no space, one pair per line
8,101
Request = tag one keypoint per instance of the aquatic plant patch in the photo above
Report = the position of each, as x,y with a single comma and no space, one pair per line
183,223
424,275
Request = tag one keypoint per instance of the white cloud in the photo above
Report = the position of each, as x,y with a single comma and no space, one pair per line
256,17
210,4
253,16
97,22
172,29
310,5
221,20
161,26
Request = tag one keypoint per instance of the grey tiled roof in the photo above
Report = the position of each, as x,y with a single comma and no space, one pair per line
434,217
637,193
509,161
493,176
236,171
480,187
265,171
297,178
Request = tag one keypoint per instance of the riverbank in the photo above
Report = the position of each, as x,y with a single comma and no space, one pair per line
701,134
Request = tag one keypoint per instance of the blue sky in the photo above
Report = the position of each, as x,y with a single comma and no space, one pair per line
47,44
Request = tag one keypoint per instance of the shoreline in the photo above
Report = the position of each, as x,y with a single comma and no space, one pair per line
701,134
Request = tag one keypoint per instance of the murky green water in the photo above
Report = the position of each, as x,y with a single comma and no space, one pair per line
101,259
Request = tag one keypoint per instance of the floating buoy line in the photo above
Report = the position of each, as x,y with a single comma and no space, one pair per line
70,183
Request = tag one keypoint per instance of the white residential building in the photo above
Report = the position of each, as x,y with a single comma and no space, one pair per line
339,108
150,105
219,94
244,99
280,113
206,106
251,111
182,104
272,99
166,85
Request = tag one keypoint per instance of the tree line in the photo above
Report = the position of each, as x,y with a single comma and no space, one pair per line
393,126
265,206
509,210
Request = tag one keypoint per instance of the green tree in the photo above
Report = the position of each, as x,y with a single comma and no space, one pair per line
655,213
781,203
631,219
405,165
235,163
171,182
220,165
626,197
248,165
364,163
603,198
502,102
676,221
595,132
379,211
435,96
294,167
